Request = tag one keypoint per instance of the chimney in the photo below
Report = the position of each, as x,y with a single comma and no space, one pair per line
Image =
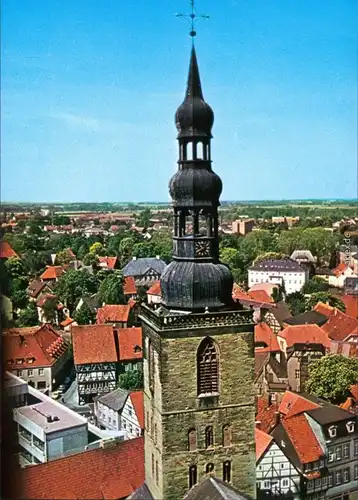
134,257
277,418
258,424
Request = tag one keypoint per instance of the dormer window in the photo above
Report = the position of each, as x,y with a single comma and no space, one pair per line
19,361
30,360
350,426
332,431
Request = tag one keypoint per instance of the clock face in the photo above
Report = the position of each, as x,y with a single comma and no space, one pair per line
202,248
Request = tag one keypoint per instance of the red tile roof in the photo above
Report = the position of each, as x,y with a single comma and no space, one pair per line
324,309
110,262
260,296
339,326
44,297
340,269
40,343
6,252
266,414
109,473
35,288
351,303
264,335
132,303
247,299
137,398
354,391
93,344
303,439
67,322
52,272
305,334
130,343
263,440
113,314
129,286
155,289
294,404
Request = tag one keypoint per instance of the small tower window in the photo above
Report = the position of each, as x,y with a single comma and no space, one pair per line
192,476
209,468
207,367
156,472
189,151
227,471
155,433
226,435
192,440
200,151
209,436
152,464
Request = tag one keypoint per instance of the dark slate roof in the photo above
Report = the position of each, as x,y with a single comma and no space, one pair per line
281,312
115,399
323,271
213,488
138,267
277,265
93,303
280,369
351,282
330,414
261,359
307,318
141,493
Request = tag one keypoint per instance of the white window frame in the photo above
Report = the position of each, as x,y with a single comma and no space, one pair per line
332,431
41,372
30,373
350,427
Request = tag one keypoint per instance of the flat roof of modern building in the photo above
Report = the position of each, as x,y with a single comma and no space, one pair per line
50,417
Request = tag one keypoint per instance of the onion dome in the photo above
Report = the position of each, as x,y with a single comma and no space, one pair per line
195,187
194,117
196,286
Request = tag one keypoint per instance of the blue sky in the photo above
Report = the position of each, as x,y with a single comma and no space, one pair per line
90,88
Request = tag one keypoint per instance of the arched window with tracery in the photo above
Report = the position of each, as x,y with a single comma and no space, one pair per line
209,436
208,367
226,435
192,440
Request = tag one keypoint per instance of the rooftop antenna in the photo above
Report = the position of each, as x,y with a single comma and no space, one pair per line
192,18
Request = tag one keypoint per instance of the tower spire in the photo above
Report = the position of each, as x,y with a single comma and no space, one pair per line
194,84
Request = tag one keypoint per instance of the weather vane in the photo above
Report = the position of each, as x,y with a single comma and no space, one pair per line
192,18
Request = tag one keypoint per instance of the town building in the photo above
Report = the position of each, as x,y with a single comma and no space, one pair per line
154,295
340,274
243,226
339,326
275,474
52,274
6,251
129,288
305,259
208,419
145,271
306,318
101,353
351,286
284,272
121,410
36,354
36,288
276,316
302,344
116,315
108,263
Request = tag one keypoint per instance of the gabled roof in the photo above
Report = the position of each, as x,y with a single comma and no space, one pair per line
6,252
104,473
260,296
263,441
293,404
329,414
261,359
155,289
267,414
247,301
139,267
115,399
137,398
305,255
109,262
117,313
303,439
44,297
129,286
212,488
340,269
93,344
281,312
265,337
267,287
354,391
304,334
66,322
339,326
52,272
130,343
324,309
35,287
41,344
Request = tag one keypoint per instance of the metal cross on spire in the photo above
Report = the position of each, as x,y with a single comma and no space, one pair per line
192,18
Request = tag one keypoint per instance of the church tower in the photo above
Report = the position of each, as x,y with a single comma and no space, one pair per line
198,345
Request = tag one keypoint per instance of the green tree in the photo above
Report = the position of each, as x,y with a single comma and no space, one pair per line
142,249
97,249
50,309
126,248
230,257
144,218
296,303
277,294
28,316
111,289
269,256
315,284
326,298
162,245
91,259
34,228
73,285
61,220
132,380
63,257
256,243
84,316
15,267
330,377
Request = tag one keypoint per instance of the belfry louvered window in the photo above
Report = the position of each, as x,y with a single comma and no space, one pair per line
208,367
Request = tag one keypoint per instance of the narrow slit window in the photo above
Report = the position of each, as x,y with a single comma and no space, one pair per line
192,476
227,471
